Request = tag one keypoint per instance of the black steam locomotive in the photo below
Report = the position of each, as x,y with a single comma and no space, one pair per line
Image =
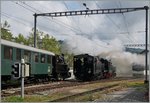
87,67
60,68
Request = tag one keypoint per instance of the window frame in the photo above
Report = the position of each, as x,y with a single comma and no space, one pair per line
8,56
49,59
36,54
41,59
26,60
18,53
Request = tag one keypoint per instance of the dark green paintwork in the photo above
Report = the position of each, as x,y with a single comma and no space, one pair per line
36,68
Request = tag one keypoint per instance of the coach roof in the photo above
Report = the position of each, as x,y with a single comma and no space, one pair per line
13,44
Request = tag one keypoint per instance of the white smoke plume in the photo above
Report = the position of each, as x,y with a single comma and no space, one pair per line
123,61
78,44
113,51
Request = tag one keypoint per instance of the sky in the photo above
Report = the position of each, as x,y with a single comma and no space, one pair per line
127,28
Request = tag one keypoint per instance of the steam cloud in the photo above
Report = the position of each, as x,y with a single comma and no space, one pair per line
113,51
123,61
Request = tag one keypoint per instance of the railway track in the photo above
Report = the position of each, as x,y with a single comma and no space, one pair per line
83,93
54,85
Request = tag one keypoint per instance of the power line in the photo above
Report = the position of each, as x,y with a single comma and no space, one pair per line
23,6
72,19
112,20
126,25
108,17
134,32
57,22
80,29
14,19
29,6
20,20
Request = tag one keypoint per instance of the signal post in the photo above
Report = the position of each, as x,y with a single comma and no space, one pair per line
20,70
22,77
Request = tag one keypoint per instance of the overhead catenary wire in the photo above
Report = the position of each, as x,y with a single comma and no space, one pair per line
57,22
47,18
76,23
27,4
117,26
32,7
61,24
23,6
22,21
108,17
14,19
126,25
72,19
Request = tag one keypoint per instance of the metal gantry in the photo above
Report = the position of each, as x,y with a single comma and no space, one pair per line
94,12
135,45
90,12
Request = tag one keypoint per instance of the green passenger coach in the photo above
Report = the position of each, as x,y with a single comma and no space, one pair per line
39,61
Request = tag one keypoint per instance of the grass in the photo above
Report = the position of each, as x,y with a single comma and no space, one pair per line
26,99
13,99
139,84
35,98
135,84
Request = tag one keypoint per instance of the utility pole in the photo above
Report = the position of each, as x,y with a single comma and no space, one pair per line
35,37
146,43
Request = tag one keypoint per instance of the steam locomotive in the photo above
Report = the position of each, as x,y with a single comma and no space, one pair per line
87,67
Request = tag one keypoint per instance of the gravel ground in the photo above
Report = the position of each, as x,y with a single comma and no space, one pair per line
125,95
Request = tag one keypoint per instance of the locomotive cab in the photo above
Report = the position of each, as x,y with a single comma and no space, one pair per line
85,67
60,68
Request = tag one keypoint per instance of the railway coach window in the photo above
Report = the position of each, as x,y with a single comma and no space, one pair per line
42,58
36,57
8,52
27,56
18,54
49,59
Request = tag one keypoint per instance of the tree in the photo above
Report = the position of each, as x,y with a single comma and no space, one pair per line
21,39
5,25
48,43
5,32
51,44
